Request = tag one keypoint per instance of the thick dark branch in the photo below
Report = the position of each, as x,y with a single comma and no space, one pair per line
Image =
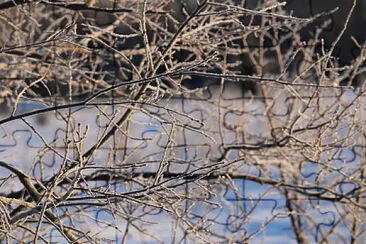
73,6
309,191
13,3
36,197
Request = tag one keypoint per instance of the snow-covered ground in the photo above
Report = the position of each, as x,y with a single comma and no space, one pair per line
226,122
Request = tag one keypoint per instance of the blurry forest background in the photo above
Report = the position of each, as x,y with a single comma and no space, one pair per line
182,121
